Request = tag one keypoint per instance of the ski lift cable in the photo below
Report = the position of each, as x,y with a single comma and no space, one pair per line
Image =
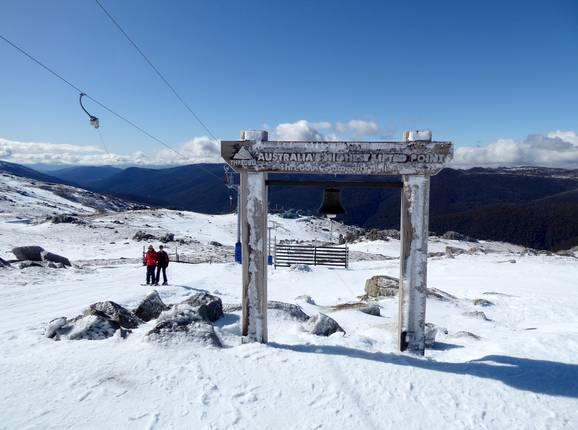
123,118
156,70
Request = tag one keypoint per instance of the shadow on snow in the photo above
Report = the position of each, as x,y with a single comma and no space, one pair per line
537,376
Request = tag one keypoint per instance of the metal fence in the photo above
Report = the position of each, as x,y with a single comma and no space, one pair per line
287,255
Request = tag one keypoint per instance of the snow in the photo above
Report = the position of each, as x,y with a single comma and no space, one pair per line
522,373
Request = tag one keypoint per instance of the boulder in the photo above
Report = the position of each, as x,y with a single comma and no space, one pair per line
323,325
431,331
30,253
198,331
452,251
141,235
169,237
477,314
454,235
209,307
305,298
55,258
215,243
150,307
381,286
115,312
28,264
294,311
372,309
232,307
482,302
65,219
435,293
52,265
89,327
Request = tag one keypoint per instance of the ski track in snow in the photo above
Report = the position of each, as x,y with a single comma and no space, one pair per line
522,373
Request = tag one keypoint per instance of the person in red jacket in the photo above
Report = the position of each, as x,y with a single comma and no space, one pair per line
151,263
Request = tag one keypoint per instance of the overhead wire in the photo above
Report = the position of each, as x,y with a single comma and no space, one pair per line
156,70
122,117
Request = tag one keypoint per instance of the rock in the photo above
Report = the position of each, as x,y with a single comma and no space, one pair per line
452,251
209,307
300,268
305,298
150,307
52,265
54,326
141,235
371,310
232,307
169,237
322,325
55,258
28,264
30,253
4,263
115,312
454,235
215,243
64,219
385,235
482,302
294,311
381,286
466,335
435,293
198,331
89,327
431,331
477,314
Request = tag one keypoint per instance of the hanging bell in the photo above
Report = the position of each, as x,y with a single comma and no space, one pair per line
331,206
94,122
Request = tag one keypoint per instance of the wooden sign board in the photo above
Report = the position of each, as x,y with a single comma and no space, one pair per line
347,158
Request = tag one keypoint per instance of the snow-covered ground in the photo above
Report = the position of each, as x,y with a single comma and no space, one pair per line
521,373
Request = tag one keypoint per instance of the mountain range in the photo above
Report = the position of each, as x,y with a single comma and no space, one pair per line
531,206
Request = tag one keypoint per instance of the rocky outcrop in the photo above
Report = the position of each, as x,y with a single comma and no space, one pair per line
141,235
150,307
323,325
294,311
65,219
30,253
477,315
29,264
482,302
305,298
454,235
452,251
115,312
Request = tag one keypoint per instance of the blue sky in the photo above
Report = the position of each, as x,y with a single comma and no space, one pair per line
475,73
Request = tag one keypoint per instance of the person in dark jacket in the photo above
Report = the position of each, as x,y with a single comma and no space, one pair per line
162,264
151,263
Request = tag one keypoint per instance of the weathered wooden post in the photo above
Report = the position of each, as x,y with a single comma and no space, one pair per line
413,256
253,198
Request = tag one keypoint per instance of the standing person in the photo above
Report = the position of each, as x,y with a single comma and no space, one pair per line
162,264
151,263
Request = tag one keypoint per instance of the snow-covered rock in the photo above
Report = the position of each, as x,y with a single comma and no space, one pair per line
294,311
115,312
323,325
482,302
150,307
306,298
209,307
431,331
87,327
371,309
477,314
31,253
300,268
198,331
55,258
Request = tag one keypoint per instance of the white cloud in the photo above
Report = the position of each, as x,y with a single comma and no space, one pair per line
359,127
557,149
299,130
197,150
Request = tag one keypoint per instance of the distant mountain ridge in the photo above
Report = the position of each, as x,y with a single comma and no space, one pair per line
531,206
84,175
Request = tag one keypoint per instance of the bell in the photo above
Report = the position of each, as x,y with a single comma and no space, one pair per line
331,206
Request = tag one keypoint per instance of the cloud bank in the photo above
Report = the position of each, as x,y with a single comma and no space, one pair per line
557,149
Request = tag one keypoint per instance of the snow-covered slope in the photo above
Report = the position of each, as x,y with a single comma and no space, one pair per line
522,372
